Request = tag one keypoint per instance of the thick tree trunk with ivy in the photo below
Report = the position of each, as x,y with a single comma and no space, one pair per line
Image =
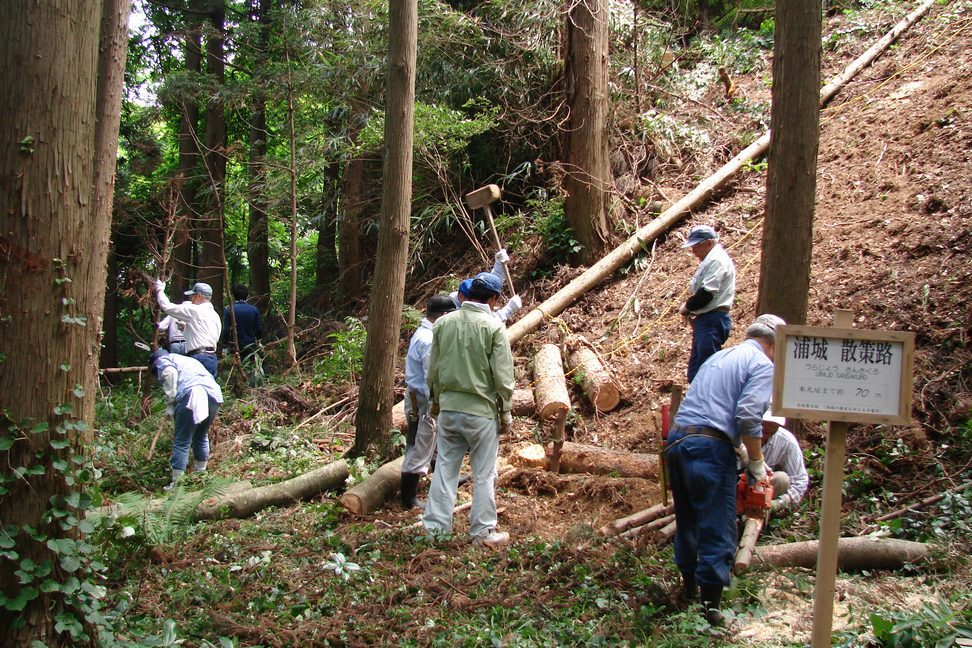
376,395
588,181
186,181
61,66
211,220
258,238
784,277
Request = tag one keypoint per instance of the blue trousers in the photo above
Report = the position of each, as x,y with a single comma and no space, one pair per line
189,434
207,360
703,475
709,332
178,347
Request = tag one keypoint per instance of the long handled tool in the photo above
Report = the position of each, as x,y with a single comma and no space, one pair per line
484,197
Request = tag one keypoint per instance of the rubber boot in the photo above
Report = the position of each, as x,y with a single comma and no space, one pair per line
711,596
690,590
409,490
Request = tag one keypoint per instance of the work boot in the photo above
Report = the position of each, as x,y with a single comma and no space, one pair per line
409,490
690,590
711,596
493,539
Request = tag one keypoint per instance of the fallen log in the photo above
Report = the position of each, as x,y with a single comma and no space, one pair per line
595,378
744,554
641,240
665,534
372,493
636,519
552,398
247,502
654,525
852,553
583,458
155,505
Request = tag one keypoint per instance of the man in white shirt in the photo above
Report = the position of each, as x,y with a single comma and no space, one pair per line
782,454
420,439
711,292
203,323
175,336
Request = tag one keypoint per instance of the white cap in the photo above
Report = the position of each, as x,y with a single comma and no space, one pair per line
779,420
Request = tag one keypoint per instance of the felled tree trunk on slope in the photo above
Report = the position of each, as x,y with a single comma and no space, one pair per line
595,378
376,396
852,553
583,458
551,395
371,494
244,503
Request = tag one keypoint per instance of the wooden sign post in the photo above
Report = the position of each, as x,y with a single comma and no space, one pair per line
843,375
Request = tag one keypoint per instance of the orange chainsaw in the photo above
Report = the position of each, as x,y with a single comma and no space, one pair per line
753,497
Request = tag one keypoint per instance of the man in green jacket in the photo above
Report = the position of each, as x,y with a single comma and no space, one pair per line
471,379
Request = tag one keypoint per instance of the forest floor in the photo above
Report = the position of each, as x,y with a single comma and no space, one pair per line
892,235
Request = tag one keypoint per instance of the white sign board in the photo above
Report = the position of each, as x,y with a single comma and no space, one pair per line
842,374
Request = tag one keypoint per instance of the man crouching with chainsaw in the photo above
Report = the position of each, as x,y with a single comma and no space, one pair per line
719,419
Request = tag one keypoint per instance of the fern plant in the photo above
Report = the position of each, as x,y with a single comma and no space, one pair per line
168,520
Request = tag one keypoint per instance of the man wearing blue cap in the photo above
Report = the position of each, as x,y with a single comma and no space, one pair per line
711,292
471,382
192,399
203,325
511,307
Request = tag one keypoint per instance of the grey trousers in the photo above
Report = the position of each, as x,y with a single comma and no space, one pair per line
457,434
418,455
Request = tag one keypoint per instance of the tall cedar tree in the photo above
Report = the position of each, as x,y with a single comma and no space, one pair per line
62,66
784,276
588,182
376,395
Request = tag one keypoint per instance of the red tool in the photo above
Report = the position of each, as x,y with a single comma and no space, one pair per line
753,498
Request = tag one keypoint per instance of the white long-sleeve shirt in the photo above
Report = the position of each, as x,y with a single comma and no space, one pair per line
203,323
782,452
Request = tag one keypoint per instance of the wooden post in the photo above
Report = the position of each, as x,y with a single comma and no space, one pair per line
836,450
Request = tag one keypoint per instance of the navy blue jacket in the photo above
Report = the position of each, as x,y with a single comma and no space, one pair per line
249,326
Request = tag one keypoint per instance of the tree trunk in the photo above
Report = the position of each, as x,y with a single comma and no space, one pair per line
371,494
292,302
582,458
637,519
247,502
552,397
186,180
376,396
109,323
257,237
211,220
327,261
595,378
852,553
350,256
744,554
61,66
784,276
588,182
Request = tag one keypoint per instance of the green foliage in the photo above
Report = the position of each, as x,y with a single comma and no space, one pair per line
933,625
547,219
343,363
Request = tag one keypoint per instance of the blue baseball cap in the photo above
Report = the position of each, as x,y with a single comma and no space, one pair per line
465,286
700,233
488,282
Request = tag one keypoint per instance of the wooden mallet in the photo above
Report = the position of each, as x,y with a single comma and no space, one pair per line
484,197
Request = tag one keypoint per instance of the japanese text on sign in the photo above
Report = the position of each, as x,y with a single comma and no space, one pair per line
843,375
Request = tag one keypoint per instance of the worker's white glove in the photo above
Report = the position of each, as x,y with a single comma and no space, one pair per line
757,469
501,256
514,304
742,454
506,422
780,503
158,286
683,310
